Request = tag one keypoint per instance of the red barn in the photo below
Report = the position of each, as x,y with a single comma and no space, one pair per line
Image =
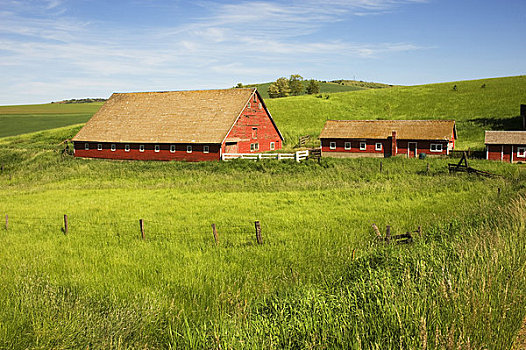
385,138
179,125
506,146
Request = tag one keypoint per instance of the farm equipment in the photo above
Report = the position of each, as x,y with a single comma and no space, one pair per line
463,166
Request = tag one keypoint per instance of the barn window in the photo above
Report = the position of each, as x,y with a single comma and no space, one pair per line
254,147
249,105
255,98
113,147
141,148
347,146
172,148
521,152
378,146
206,149
272,146
126,148
188,149
436,147
157,148
363,146
86,146
99,147
254,133
260,106
332,145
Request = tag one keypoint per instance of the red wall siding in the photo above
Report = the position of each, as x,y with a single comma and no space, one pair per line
254,116
495,152
402,145
149,152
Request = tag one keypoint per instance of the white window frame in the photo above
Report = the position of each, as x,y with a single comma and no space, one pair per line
378,146
249,105
113,147
332,145
363,146
254,147
260,106
437,147
172,148
157,148
126,148
206,149
347,146
141,148
99,147
189,149
521,152
272,146
86,146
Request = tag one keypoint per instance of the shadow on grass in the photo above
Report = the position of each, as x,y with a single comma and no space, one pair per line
513,123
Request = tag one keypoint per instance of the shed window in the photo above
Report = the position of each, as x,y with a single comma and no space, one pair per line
99,147
141,148
332,145
260,106
86,146
206,149
347,146
254,147
254,133
126,148
363,146
272,146
521,152
378,146
436,147
255,98
172,148
249,105
188,149
113,147
157,148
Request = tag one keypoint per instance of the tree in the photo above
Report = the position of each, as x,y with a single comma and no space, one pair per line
239,85
283,87
273,90
313,87
296,84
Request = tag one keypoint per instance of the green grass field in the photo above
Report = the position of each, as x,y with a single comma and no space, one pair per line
324,88
101,286
319,280
16,120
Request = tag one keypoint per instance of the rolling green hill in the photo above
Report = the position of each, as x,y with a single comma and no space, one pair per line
325,87
15,120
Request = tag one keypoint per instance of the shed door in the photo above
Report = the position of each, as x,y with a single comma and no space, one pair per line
411,149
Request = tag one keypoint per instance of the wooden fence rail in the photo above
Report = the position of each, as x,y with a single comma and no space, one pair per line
297,156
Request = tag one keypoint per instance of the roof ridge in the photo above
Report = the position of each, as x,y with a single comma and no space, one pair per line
172,91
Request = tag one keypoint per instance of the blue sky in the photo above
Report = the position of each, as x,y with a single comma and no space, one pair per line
58,49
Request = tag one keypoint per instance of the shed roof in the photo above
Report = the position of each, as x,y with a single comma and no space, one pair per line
505,138
382,129
201,116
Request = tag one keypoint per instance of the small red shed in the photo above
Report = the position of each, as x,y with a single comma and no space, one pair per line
179,125
385,138
506,146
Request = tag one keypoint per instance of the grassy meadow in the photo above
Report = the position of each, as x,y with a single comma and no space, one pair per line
100,286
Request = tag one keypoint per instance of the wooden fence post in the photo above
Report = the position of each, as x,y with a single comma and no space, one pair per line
65,224
388,233
419,230
259,239
427,168
498,192
214,231
6,222
141,224
381,166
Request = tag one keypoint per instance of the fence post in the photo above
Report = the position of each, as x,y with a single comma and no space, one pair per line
141,224
419,230
388,233
65,224
297,156
6,222
279,156
259,239
498,192
214,231
381,166
427,168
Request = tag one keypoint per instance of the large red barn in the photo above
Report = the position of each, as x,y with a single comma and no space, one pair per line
506,146
179,125
385,138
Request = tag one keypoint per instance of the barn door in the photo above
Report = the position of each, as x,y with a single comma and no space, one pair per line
231,147
411,149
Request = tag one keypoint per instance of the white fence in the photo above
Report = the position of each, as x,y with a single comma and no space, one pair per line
298,156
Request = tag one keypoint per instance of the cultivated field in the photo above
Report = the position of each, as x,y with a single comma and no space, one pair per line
320,279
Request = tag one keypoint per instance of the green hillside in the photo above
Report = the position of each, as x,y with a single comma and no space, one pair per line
475,108
15,120
325,87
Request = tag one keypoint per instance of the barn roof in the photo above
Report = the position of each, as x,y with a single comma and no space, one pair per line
505,138
201,116
382,129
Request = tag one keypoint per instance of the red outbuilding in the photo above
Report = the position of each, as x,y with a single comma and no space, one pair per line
385,138
506,146
179,125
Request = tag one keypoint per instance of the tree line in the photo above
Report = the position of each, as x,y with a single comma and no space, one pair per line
293,86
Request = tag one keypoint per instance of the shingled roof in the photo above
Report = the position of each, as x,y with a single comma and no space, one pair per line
382,129
202,116
505,138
